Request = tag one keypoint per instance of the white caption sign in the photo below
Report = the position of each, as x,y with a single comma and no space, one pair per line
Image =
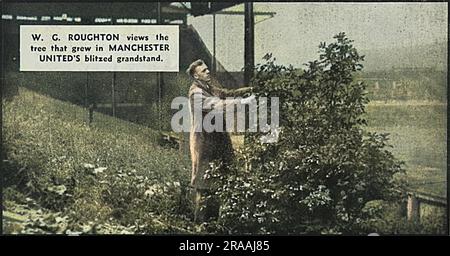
151,48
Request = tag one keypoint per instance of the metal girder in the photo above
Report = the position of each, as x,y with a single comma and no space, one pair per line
202,8
90,10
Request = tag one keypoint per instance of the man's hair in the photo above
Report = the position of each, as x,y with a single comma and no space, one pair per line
191,69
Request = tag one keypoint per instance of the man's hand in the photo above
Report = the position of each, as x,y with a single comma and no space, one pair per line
243,90
248,99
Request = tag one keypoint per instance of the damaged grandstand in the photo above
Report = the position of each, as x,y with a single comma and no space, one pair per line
141,97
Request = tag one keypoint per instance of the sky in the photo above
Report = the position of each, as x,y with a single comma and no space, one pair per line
294,33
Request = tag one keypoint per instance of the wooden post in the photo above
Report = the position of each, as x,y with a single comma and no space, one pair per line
413,208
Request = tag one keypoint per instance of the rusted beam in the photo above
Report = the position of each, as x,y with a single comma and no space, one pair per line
271,14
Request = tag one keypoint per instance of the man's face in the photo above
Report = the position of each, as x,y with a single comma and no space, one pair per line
202,73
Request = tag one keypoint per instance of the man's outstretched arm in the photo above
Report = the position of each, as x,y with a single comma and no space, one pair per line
214,103
233,92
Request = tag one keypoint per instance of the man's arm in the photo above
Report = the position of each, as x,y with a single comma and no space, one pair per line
207,103
222,92
214,103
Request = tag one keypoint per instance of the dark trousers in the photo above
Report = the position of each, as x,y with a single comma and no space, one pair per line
206,206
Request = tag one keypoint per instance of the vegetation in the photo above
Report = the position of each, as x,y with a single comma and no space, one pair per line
110,174
417,134
329,173
326,169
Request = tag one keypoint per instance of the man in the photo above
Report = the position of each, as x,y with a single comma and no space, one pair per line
207,146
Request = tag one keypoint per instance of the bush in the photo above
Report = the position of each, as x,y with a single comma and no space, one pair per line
324,168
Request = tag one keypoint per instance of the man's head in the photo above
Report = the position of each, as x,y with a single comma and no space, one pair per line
198,70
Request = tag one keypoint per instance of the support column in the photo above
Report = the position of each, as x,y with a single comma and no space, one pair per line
249,39
113,94
113,85
213,61
159,75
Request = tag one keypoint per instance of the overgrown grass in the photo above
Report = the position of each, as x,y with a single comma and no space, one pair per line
418,135
111,172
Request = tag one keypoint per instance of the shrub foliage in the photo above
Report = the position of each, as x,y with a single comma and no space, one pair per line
324,168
